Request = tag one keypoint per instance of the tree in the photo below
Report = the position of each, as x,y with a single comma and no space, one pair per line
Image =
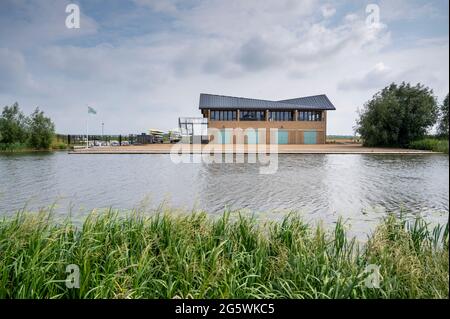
13,125
397,115
443,119
41,130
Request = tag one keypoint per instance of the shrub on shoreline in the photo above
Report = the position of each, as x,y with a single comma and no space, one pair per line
431,144
13,147
19,132
195,256
59,146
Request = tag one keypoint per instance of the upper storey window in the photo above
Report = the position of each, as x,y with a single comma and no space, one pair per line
281,116
315,116
252,116
223,115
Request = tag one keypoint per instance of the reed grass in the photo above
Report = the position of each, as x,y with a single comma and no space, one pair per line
234,256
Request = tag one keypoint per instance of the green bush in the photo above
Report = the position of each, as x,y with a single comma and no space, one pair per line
430,144
59,146
12,147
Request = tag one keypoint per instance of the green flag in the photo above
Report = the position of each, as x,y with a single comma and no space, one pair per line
91,110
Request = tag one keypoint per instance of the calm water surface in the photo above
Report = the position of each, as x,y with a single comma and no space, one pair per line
360,188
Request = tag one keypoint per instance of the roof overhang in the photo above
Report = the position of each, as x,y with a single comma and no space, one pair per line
222,102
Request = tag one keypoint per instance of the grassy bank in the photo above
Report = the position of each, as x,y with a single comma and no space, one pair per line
23,148
56,145
14,147
431,144
193,256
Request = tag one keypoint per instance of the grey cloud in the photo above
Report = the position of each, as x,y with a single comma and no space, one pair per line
14,76
104,65
204,55
257,54
165,6
244,19
377,77
36,23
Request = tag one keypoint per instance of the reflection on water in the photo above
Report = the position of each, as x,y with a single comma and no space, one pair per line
359,188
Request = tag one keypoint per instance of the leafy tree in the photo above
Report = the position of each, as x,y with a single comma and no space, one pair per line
443,119
13,125
41,130
397,115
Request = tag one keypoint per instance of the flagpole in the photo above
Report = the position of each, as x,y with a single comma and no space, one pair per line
90,110
87,130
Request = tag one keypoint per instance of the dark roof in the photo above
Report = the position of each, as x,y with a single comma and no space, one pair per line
317,102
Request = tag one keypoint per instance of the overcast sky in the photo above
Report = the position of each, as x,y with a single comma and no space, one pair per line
143,63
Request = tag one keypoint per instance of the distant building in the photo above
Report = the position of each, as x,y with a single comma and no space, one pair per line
144,139
193,129
301,120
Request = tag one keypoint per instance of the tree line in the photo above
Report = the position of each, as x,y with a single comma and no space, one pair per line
399,115
18,131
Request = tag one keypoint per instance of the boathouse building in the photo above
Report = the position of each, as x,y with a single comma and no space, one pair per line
300,120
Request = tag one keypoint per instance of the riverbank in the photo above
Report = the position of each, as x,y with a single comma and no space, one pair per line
194,256
241,148
23,148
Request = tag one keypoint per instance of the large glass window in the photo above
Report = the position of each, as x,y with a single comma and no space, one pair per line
252,116
223,115
315,116
281,116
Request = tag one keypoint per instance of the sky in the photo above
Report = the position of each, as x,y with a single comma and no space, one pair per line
143,63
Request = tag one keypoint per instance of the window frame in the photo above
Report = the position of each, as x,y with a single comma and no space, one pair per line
310,116
281,116
223,115
258,115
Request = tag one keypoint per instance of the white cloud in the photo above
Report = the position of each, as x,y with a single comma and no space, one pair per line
328,11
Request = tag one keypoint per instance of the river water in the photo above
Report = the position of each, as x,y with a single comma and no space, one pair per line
359,188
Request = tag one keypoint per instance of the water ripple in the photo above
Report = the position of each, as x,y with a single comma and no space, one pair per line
358,187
